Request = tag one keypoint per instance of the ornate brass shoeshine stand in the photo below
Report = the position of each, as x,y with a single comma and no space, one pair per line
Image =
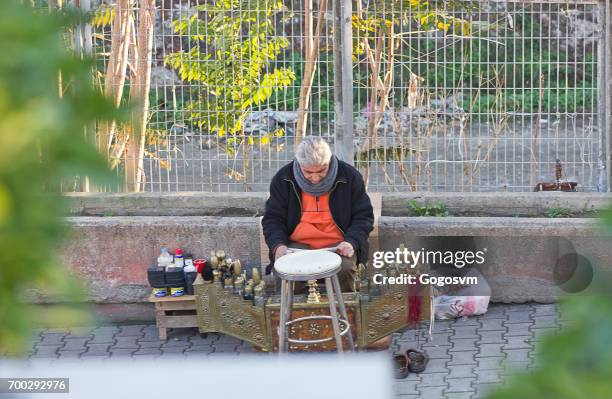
374,311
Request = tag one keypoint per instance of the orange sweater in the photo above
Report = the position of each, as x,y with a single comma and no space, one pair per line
316,228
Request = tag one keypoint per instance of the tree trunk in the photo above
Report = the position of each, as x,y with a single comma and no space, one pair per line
311,55
118,148
380,89
139,94
116,69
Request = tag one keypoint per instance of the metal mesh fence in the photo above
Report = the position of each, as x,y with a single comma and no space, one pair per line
447,96
487,100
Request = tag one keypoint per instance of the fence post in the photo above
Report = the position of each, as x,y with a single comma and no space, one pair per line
604,101
607,128
83,46
343,80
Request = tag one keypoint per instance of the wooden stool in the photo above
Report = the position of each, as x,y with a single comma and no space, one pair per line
306,266
174,312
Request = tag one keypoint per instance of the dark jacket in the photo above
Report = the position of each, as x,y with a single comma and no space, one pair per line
349,204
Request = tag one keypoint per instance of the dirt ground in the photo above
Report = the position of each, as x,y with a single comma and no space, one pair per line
436,157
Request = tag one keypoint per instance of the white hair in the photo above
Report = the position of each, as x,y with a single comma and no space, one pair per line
313,151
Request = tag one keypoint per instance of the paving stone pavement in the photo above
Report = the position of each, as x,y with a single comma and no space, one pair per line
468,356
473,356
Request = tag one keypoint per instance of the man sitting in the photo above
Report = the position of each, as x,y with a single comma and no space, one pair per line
317,201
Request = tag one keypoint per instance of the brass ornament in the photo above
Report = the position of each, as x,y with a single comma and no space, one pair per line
373,312
256,276
313,292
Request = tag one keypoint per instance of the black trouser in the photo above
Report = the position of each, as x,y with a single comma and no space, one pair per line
346,275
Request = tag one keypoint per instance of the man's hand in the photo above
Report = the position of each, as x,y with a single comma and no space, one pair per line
345,249
280,251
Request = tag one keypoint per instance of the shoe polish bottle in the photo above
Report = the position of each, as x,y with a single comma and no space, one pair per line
164,259
179,260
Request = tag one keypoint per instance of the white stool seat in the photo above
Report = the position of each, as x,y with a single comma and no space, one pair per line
307,265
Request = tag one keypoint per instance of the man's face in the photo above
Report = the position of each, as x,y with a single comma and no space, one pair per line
315,174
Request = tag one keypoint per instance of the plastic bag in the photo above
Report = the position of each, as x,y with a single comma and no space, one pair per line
450,307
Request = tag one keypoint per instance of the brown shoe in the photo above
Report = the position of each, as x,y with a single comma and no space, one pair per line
417,360
400,367
380,345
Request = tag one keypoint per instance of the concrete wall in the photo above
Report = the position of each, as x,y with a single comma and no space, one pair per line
393,204
112,253
521,253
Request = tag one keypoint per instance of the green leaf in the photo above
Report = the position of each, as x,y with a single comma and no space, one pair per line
50,145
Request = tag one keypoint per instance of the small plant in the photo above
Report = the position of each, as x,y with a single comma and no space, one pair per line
558,213
437,209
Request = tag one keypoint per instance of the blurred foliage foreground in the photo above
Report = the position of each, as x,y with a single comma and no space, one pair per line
43,140
576,363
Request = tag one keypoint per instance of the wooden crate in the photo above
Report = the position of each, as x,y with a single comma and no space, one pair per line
174,312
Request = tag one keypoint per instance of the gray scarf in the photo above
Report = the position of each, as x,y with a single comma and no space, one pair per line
324,185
